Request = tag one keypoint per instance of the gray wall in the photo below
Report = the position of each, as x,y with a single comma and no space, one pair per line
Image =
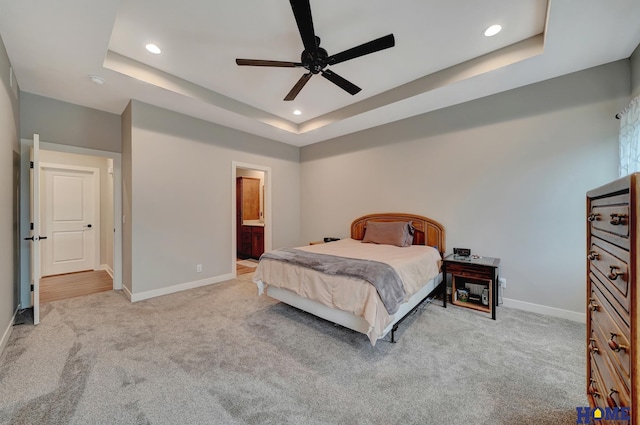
68,124
9,119
635,72
506,175
180,191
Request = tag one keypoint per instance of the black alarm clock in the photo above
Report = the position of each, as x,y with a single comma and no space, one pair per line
461,252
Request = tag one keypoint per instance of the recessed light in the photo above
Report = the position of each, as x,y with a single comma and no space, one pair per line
96,79
153,49
297,112
493,30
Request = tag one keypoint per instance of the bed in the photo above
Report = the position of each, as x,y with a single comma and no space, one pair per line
350,300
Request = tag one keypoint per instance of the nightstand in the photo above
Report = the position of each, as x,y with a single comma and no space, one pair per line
475,276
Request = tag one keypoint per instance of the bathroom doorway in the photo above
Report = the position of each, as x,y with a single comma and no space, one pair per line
251,215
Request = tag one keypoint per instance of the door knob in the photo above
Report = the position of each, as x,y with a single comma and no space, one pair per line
88,225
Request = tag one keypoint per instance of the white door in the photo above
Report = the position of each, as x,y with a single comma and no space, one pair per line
34,217
70,218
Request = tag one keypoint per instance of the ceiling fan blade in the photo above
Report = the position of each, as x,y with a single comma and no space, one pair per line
340,82
302,12
259,62
299,85
363,49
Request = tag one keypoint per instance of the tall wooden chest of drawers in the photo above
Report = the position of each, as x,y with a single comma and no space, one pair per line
613,320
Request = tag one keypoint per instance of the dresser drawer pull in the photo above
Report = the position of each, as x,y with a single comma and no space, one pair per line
618,219
613,344
610,401
614,273
593,255
592,346
593,217
592,388
592,305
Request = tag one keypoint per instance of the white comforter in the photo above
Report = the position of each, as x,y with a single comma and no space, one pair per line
416,265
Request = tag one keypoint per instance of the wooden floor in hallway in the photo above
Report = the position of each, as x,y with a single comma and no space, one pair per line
246,266
63,286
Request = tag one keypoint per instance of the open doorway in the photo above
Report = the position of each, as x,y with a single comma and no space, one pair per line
95,264
76,199
251,215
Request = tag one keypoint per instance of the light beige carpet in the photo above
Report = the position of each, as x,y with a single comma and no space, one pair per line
222,355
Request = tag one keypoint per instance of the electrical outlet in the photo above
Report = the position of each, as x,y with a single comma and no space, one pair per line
199,268
503,282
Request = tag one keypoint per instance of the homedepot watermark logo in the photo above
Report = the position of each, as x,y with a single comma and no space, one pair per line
587,415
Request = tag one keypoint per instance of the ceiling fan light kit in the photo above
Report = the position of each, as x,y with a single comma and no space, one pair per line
314,58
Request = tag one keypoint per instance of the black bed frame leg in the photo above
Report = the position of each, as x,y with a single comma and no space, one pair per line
393,331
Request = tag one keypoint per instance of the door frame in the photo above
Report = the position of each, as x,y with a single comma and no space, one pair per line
96,205
25,257
33,171
266,207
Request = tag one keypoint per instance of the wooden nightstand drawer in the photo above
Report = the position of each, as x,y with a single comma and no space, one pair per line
470,270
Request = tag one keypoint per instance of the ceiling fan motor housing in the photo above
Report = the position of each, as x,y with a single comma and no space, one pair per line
314,63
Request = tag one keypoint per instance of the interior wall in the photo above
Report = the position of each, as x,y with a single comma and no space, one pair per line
106,194
108,211
68,124
635,72
127,255
182,168
506,175
9,147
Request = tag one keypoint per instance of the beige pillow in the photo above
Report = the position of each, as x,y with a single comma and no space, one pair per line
398,233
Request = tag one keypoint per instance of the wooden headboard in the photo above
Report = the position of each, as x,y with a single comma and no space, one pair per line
428,232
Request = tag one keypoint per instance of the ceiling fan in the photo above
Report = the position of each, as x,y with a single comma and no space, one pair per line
314,58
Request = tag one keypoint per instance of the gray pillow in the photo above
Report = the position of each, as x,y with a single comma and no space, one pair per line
398,233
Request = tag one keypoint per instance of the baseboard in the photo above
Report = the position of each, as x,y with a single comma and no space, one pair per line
106,268
180,287
127,293
546,310
7,332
